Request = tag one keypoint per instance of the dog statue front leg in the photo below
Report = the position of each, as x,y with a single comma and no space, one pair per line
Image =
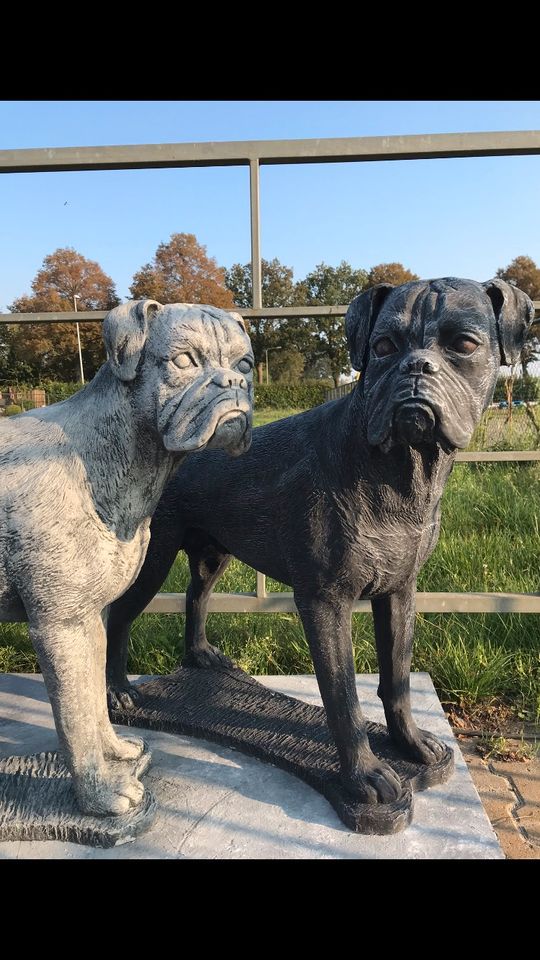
67,653
393,618
327,624
114,747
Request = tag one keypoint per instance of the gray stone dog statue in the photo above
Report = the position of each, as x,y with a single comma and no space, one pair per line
343,502
79,481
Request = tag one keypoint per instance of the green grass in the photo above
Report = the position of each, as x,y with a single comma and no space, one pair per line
489,542
260,417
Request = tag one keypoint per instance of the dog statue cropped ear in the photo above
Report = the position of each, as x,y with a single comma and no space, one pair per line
240,321
360,320
125,331
514,313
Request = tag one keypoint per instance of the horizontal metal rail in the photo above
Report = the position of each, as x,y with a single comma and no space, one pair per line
241,153
425,603
496,456
88,316
91,316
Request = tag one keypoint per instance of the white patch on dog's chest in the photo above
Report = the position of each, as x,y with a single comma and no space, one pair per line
128,558
387,555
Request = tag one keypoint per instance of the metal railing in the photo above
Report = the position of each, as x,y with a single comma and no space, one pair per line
254,154
334,393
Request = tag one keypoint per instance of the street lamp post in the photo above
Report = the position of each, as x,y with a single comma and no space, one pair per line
267,352
75,298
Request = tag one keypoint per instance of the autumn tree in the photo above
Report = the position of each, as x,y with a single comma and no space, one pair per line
522,272
324,286
270,333
51,350
182,272
394,273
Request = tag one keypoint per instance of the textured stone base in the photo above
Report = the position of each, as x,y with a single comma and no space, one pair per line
37,802
215,803
231,708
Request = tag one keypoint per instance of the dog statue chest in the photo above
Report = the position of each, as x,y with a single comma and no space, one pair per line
379,557
373,541
124,561
137,552
400,521
394,553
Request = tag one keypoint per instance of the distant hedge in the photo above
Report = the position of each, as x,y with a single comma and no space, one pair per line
13,409
276,396
56,391
301,396
304,394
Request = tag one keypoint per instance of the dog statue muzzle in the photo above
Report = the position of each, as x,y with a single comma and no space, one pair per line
232,433
414,423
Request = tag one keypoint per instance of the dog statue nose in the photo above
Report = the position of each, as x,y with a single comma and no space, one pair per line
229,379
418,362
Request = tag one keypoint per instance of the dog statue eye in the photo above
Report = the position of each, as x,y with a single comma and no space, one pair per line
464,345
245,365
184,360
384,347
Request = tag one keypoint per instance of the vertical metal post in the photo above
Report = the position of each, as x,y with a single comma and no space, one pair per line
256,280
256,273
75,298
261,586
80,352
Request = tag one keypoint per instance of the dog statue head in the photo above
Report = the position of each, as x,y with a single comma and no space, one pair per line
429,352
191,366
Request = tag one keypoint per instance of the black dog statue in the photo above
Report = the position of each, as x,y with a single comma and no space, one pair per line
343,502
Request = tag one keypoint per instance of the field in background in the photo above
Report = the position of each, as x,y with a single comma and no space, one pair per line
501,429
490,541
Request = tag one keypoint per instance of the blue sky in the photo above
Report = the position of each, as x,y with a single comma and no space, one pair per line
439,217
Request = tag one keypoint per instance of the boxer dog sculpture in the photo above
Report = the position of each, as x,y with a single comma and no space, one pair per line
343,502
79,481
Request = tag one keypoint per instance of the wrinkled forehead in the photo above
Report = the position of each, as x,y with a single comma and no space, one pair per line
210,331
418,308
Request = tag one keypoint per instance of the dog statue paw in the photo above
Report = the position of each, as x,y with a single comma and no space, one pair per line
373,782
125,749
108,790
420,746
122,696
208,657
